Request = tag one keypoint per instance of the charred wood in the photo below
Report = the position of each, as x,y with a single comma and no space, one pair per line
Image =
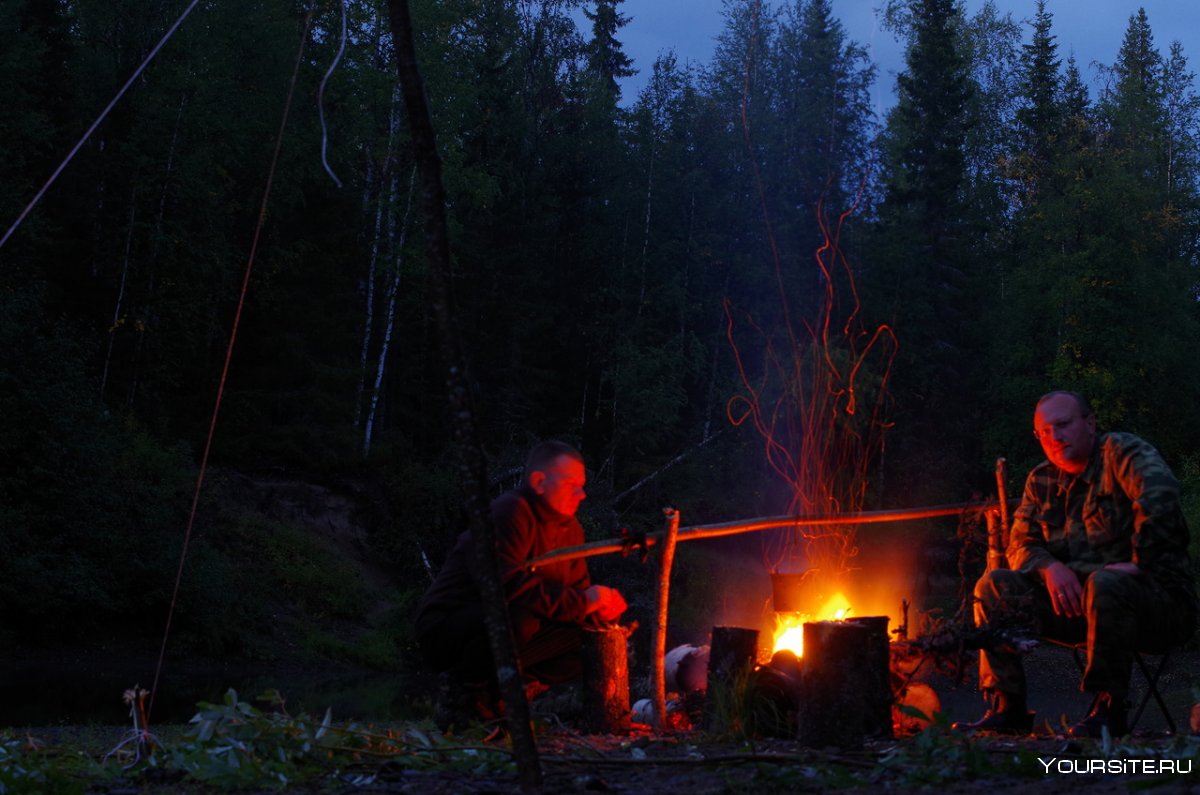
733,653
837,677
877,719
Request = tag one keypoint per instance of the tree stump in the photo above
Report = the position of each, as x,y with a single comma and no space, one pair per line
732,655
606,680
836,677
877,722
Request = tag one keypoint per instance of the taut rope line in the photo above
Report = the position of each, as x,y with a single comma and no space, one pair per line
212,427
103,114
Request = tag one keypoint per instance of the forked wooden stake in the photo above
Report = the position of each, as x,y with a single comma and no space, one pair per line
660,625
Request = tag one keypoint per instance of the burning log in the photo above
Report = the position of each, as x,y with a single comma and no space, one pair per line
606,680
877,718
836,679
732,655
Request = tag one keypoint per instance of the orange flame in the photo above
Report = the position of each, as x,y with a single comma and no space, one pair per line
789,627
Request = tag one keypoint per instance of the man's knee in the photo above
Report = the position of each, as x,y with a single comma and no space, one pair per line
1121,601
525,625
999,584
1103,582
1002,594
1106,590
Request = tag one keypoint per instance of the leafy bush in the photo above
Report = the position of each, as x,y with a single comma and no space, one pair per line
25,769
235,745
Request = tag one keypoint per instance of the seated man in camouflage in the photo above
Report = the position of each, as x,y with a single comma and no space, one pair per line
1099,551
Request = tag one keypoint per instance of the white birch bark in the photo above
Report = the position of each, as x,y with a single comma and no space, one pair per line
390,316
386,203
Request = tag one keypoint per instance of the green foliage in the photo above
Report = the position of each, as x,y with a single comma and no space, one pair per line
735,707
258,582
234,745
89,505
26,770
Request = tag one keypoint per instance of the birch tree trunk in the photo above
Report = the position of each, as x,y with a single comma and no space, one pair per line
390,315
385,204
369,302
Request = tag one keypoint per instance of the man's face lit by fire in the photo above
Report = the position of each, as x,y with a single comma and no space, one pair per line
1066,435
561,484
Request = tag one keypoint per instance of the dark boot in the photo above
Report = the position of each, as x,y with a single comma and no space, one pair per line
1005,715
459,704
1108,710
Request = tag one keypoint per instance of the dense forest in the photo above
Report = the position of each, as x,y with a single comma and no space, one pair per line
739,292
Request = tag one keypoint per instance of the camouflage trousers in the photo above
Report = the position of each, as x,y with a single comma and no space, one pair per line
1122,612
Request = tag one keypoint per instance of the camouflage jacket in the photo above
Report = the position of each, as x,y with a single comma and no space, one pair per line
1124,506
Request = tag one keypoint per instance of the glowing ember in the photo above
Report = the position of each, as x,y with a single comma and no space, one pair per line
789,627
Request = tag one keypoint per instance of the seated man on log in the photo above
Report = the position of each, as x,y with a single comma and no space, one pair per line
549,606
1099,552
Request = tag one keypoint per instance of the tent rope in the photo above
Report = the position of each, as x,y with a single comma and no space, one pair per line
103,114
262,214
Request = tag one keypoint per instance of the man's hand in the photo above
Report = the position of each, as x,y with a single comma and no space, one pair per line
607,603
1066,592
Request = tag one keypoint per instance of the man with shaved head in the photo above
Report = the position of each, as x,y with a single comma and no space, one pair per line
549,605
1099,552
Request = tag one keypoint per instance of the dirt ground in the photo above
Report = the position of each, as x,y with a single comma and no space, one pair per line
1054,694
643,762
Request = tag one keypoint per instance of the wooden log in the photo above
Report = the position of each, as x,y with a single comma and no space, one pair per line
835,678
877,720
606,680
733,653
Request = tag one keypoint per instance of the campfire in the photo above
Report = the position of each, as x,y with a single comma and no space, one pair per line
800,598
789,626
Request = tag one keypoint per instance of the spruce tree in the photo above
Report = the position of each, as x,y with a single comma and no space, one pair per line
921,270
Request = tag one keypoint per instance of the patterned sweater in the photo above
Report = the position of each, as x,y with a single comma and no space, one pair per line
1123,507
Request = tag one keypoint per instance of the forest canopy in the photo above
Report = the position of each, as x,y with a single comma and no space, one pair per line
730,291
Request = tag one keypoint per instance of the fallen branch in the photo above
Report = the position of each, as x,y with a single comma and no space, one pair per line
724,759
